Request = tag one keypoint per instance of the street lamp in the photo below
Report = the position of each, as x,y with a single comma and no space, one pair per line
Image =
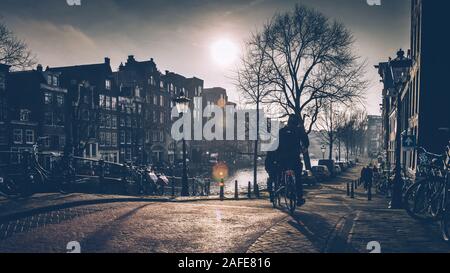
323,149
399,68
182,104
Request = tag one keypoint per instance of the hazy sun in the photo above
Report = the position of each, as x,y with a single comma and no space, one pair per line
224,52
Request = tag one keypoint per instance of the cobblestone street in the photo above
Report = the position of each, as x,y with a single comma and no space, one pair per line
329,222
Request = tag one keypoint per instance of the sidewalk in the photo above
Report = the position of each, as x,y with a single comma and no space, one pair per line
331,222
395,230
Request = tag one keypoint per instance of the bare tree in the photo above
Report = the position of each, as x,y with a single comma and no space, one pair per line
329,124
310,60
352,131
251,80
82,118
13,51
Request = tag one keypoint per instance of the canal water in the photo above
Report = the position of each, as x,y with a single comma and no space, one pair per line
243,176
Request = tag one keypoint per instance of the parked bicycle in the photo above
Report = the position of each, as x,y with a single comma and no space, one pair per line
423,200
429,198
27,177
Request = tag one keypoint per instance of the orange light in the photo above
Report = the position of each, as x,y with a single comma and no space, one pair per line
220,171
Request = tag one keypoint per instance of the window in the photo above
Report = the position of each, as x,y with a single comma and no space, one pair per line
60,100
128,135
17,136
55,80
128,154
102,120
46,141
47,98
161,100
58,119
114,122
108,139
94,150
3,136
108,84
2,81
161,84
102,101
122,137
108,102
102,139
48,118
62,141
29,136
113,139
49,79
147,136
3,110
122,122
24,115
161,118
155,100
161,136
108,121
113,103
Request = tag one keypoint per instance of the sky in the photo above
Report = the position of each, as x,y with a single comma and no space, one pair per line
187,36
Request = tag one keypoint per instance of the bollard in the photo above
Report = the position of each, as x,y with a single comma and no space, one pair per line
352,191
173,187
208,187
236,190
222,190
348,189
249,193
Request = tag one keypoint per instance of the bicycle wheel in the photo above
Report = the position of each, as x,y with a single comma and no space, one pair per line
275,196
417,202
290,194
8,187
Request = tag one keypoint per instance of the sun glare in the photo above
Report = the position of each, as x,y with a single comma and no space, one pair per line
224,52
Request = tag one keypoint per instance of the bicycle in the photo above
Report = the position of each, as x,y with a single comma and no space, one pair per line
27,177
445,220
285,190
424,199
383,186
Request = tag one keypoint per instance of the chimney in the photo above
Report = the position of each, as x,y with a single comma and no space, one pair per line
131,59
39,68
107,61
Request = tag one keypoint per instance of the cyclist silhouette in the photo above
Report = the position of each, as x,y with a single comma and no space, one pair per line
287,156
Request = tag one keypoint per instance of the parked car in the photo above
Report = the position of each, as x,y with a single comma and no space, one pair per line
309,178
343,166
321,172
352,163
330,165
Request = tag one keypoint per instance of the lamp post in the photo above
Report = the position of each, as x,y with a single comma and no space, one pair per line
323,149
400,68
182,104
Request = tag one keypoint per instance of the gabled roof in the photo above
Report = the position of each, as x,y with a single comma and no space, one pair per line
94,73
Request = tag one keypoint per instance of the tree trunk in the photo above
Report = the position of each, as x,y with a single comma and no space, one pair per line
255,151
307,160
